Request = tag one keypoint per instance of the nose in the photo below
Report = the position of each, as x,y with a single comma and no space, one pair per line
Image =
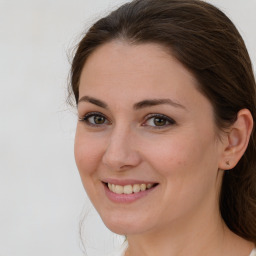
121,152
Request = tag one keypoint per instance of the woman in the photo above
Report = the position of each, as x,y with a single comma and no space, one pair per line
165,143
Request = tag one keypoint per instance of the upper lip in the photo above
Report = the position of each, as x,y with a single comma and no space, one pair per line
123,182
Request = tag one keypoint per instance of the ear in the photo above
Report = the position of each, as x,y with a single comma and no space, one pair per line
237,140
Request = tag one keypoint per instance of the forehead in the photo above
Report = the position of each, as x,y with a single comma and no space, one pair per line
123,57
144,70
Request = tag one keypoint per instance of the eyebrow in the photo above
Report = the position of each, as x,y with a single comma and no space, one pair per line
93,101
155,102
136,106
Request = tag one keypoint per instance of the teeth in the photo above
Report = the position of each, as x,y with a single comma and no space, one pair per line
149,185
129,189
119,189
143,187
136,188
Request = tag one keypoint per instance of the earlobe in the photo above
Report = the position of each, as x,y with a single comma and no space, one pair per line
238,139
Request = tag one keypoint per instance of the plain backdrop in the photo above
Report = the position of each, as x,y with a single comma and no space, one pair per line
42,200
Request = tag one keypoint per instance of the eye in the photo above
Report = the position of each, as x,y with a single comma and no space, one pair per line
94,119
158,121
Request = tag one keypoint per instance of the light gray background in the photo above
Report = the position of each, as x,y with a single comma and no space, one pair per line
41,197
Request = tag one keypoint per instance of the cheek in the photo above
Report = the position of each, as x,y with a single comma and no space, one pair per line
167,152
87,153
177,156
188,170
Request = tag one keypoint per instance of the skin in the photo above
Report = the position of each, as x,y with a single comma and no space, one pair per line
185,157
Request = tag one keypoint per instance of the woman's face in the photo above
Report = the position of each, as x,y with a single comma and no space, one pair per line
143,123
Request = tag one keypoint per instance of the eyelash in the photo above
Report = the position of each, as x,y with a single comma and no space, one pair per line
165,118
93,114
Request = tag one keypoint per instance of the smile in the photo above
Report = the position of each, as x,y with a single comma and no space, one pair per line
128,193
129,189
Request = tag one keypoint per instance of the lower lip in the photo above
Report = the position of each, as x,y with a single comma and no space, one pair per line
127,198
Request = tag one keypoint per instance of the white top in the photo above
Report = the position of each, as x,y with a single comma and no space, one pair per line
122,249
253,253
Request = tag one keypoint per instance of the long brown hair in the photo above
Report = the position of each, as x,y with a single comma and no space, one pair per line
207,43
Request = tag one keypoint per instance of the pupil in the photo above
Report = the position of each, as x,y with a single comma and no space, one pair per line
99,120
159,121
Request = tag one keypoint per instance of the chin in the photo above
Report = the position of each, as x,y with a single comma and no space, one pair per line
126,225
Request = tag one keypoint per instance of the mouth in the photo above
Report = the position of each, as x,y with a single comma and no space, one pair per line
129,188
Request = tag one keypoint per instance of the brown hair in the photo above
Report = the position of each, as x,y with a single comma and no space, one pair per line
207,43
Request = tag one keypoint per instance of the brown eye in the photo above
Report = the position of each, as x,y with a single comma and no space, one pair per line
95,119
99,119
159,121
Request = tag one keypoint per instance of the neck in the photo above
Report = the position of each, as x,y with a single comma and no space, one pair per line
204,236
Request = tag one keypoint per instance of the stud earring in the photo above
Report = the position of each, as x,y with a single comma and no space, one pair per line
227,163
